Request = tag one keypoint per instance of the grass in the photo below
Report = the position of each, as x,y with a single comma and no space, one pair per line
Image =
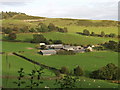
87,61
98,59
68,38
17,46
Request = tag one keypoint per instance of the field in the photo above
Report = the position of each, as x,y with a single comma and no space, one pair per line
73,38
13,63
88,61
70,24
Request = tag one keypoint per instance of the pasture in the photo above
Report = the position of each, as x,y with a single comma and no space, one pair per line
68,38
13,63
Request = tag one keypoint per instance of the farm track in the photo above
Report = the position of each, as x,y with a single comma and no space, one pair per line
34,62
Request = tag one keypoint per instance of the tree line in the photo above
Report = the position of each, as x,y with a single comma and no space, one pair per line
40,28
102,34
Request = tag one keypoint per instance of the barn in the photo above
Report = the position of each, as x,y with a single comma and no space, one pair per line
48,52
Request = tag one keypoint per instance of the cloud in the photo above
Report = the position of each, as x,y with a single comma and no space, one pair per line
90,9
14,2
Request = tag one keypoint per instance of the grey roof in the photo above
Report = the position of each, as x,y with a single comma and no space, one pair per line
48,51
56,46
79,51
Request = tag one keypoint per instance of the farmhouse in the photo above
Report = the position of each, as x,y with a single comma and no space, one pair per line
72,48
89,48
48,52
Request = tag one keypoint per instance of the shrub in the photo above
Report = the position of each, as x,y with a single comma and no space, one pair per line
57,42
109,72
43,47
64,70
86,32
51,27
37,38
78,71
102,34
12,36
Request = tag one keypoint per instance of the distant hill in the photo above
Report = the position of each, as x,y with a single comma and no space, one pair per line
19,16
21,20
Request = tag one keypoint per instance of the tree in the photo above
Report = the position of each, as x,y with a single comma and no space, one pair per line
63,30
67,82
12,36
64,70
21,75
113,35
78,71
92,33
109,72
86,32
37,38
43,47
7,30
51,27
57,41
112,45
42,28
32,30
102,34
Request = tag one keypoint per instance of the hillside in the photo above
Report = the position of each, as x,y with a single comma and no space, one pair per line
21,22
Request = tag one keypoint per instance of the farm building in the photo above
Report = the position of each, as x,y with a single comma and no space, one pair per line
79,51
42,44
48,52
68,47
54,46
90,48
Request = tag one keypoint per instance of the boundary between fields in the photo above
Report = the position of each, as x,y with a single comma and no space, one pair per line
34,62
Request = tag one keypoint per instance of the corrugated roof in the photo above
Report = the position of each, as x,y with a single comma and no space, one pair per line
48,51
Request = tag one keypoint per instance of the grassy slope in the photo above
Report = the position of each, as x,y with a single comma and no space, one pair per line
68,38
98,60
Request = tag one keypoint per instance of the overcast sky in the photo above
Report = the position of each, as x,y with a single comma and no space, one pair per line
82,9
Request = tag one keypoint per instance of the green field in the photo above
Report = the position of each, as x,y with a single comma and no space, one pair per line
70,24
68,38
98,59
88,61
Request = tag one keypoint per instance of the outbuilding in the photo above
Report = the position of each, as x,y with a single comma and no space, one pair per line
48,52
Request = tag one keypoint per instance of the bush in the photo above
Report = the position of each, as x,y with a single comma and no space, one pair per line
78,71
57,42
109,72
86,32
43,47
57,73
37,38
64,70
102,34
51,27
12,36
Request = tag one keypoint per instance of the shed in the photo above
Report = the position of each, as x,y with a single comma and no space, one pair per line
42,44
48,52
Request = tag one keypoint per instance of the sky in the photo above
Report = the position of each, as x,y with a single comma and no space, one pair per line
78,9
